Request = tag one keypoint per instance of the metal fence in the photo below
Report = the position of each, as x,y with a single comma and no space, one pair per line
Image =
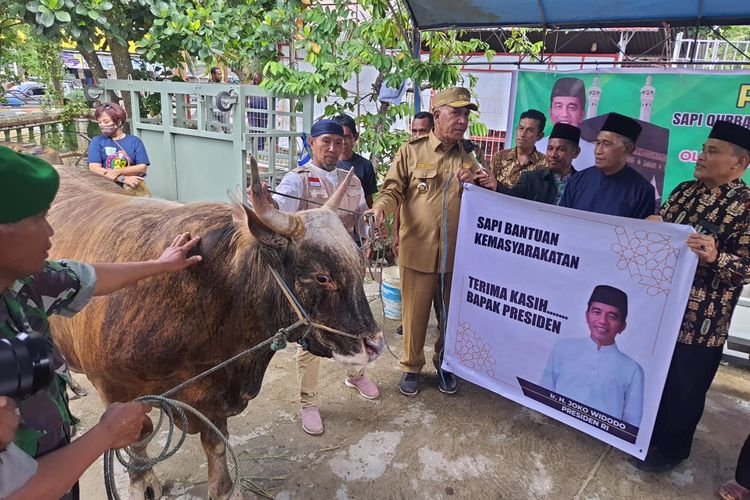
711,54
46,129
198,135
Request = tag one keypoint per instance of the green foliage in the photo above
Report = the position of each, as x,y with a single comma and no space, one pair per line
378,137
476,127
213,31
732,33
75,107
735,33
336,39
519,43
37,56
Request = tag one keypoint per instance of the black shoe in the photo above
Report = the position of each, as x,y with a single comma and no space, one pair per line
447,382
409,384
656,462
400,330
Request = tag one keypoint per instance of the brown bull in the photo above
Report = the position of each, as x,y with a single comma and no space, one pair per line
151,337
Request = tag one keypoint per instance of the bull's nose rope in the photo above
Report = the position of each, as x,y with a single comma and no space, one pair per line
300,311
170,407
377,244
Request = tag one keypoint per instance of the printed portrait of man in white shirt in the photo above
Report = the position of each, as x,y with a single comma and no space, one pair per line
592,370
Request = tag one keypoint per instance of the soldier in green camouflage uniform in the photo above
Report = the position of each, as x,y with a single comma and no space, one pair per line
33,288
61,288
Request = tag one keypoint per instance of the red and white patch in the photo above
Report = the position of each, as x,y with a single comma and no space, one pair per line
314,181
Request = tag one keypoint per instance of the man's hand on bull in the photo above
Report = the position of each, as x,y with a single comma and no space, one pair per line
111,277
175,256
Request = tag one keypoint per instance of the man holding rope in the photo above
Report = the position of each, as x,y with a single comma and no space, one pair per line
32,289
421,182
309,187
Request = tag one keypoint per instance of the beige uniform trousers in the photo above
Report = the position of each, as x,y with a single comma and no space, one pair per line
418,291
308,370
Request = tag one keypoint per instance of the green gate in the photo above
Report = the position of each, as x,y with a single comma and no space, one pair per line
198,135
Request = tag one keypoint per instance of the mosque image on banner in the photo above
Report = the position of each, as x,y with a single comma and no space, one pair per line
676,109
571,103
578,328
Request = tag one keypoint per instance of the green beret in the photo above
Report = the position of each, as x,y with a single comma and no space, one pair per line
28,185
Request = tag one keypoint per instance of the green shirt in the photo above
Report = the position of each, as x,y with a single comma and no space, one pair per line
63,287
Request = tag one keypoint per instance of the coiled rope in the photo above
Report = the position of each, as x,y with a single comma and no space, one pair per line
170,407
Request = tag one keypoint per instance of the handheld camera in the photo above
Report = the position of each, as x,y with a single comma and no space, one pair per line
25,365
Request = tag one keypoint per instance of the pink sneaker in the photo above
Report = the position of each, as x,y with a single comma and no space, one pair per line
311,421
364,385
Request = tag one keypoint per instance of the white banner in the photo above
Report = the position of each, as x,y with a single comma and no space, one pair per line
521,325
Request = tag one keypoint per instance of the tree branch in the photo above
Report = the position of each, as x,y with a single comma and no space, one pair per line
400,26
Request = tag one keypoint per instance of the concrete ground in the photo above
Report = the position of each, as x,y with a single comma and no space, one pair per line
474,444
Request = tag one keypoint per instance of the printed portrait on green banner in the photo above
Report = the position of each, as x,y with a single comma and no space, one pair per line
675,108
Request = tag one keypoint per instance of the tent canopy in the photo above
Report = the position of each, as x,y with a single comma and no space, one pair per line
435,14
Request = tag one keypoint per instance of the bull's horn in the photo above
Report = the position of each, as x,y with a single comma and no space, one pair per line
280,222
335,199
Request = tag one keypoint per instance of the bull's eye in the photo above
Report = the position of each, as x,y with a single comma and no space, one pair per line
323,279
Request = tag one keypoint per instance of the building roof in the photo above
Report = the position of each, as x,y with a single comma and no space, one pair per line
437,14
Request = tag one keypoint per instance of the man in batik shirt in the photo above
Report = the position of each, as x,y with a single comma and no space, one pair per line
508,165
717,205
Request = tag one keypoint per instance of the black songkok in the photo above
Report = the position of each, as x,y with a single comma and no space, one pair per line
566,131
623,125
731,132
612,296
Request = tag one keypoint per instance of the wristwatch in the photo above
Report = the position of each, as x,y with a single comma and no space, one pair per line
120,179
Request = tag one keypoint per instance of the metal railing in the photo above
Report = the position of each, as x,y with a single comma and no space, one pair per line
711,54
46,129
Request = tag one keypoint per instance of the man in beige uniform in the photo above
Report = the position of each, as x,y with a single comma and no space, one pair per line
317,182
422,182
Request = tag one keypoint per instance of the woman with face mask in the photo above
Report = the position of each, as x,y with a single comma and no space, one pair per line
116,155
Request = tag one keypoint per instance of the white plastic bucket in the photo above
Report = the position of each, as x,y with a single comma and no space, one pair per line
392,292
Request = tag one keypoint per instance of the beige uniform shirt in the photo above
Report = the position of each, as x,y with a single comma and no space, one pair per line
316,184
417,183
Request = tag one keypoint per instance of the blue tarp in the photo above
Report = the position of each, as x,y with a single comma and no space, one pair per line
433,14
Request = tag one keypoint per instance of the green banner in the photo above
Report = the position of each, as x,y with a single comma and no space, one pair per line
676,108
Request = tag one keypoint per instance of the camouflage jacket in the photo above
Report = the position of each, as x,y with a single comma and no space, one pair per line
63,287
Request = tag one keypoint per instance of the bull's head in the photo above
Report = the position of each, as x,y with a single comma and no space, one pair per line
324,266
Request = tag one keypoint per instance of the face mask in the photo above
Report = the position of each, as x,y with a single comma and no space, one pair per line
108,130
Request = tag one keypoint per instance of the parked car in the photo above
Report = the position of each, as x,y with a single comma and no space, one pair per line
25,93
